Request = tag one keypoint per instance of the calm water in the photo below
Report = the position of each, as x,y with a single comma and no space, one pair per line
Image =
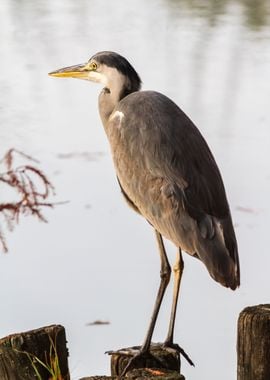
96,259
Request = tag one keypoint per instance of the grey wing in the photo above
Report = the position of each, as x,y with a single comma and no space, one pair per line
197,185
172,148
128,200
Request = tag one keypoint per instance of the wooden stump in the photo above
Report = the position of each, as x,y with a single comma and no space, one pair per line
253,343
20,354
141,374
158,358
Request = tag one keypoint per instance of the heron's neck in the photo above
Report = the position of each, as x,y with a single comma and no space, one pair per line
117,87
106,103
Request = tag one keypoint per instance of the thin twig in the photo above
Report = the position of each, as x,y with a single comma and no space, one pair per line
32,198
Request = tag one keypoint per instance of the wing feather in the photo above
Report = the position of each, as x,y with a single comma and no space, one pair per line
160,151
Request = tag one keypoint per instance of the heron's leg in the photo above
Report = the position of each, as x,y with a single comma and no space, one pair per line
165,274
178,271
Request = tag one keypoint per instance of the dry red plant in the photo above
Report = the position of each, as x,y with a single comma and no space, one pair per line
32,189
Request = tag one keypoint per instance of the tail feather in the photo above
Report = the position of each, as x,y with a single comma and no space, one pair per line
220,253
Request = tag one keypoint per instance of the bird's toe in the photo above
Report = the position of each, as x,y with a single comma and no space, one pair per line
175,347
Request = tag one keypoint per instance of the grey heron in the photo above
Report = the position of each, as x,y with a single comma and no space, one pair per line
166,173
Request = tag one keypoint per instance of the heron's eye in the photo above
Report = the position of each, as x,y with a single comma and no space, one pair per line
93,66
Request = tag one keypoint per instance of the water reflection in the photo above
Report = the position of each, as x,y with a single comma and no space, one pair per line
213,59
255,14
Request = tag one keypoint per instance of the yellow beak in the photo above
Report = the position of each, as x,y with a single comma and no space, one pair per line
80,71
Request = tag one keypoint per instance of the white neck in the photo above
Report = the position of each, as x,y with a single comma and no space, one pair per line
111,94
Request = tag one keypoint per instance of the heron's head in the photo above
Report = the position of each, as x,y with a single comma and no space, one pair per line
108,68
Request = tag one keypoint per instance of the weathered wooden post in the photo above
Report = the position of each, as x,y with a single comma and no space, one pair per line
159,364
24,356
158,358
253,343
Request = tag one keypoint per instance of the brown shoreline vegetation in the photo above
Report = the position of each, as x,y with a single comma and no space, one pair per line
31,187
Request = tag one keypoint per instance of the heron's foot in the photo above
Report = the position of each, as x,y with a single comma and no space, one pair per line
136,357
141,356
131,351
176,347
